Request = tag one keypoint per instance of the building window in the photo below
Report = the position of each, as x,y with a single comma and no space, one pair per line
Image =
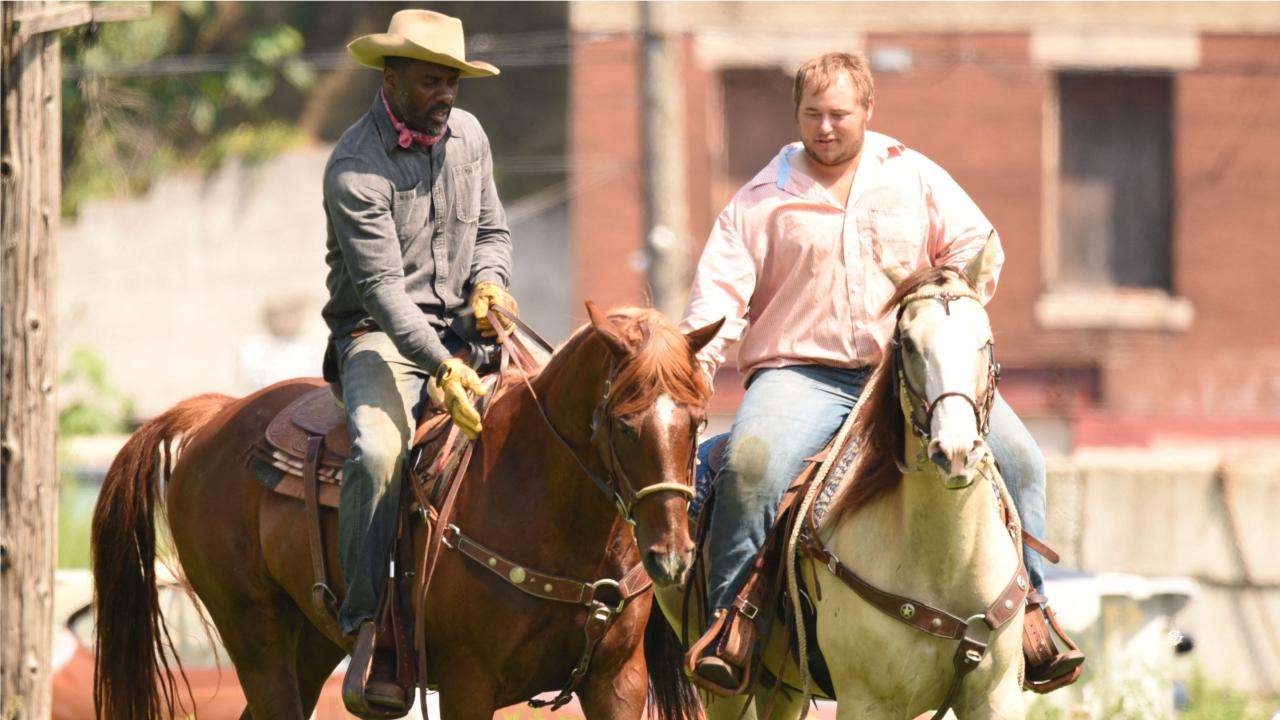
1114,187
1111,204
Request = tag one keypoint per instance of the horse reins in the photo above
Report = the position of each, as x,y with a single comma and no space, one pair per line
618,488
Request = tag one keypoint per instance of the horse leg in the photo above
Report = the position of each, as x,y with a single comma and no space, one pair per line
316,659
466,692
263,652
621,695
784,704
729,708
1002,702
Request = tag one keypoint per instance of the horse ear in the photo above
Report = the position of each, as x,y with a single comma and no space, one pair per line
896,274
607,332
700,337
983,266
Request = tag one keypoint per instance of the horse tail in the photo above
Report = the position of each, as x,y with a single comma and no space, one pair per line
133,644
672,696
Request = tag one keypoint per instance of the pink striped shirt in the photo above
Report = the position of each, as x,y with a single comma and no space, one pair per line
797,276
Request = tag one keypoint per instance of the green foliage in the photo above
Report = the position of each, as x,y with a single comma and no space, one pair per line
1210,701
91,406
75,513
186,87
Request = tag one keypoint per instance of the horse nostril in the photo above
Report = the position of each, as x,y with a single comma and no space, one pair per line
939,458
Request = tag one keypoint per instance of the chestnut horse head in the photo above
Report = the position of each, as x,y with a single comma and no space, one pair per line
650,399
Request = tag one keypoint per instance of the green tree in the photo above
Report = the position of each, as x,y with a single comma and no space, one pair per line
188,86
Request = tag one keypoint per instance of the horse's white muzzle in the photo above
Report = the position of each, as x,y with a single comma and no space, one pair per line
960,462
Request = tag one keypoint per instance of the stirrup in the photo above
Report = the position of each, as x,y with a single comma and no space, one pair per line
1046,667
717,661
381,704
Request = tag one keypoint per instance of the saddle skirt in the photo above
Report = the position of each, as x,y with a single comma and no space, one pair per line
317,414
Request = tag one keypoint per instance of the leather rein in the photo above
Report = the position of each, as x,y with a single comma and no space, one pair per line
974,631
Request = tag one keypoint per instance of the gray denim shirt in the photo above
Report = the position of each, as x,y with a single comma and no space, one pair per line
410,231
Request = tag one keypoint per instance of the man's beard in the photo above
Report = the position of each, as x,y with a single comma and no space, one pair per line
433,127
839,159
423,124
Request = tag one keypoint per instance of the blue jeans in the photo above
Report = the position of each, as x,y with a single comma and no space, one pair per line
383,394
789,414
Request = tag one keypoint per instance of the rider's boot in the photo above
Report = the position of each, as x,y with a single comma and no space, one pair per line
1047,667
720,661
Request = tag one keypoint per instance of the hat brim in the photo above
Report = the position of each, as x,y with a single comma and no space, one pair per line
371,50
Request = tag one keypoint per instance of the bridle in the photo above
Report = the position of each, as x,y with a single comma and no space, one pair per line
916,398
616,485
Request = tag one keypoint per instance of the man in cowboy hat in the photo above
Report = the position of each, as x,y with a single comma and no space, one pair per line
418,251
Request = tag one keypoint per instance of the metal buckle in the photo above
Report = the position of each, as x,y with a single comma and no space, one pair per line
748,610
832,562
444,536
979,642
608,582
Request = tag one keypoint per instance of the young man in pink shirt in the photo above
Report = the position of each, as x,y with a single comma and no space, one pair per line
822,220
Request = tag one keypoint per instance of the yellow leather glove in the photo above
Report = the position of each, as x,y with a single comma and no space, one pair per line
455,378
487,295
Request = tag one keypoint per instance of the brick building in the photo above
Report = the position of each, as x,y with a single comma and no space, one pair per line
1128,153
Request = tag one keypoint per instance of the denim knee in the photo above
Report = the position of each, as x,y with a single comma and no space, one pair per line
378,447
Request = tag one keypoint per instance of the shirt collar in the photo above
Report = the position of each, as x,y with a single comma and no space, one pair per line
875,146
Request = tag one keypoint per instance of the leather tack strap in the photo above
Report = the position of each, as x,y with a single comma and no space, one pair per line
922,616
549,587
321,594
1038,545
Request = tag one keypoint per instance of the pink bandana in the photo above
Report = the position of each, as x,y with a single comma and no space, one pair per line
408,135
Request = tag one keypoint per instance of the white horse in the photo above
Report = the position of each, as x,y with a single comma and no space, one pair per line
920,524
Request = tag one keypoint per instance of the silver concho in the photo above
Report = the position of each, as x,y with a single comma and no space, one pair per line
907,611
516,575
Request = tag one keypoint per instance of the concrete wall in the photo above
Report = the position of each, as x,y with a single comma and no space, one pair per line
1167,514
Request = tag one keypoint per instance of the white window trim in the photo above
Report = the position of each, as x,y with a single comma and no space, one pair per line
1113,308
1105,307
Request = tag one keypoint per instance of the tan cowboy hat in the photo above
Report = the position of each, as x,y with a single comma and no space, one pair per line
421,35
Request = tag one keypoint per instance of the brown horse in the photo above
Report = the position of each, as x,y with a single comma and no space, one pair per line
625,399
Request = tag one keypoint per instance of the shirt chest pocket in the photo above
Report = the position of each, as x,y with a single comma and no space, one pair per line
895,233
411,211
465,191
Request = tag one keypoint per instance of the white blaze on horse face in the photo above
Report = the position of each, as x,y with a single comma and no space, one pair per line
664,413
950,344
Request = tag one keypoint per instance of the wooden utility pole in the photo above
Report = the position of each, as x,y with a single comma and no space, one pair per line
30,205
666,195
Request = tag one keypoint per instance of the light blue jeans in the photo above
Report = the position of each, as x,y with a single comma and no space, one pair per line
789,414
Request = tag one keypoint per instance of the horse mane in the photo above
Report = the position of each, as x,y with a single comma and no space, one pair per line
663,364
880,426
